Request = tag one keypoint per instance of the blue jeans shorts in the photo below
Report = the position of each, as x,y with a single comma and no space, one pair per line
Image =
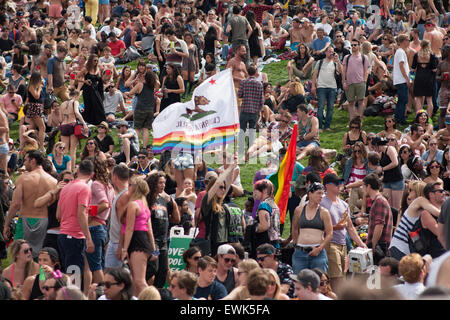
395,186
4,149
103,1
111,260
301,260
96,259
305,143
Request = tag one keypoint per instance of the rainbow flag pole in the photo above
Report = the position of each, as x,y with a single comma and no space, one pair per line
281,179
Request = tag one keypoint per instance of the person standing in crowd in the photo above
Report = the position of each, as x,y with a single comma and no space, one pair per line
164,211
380,218
119,179
312,230
137,234
342,226
240,30
56,70
325,87
401,79
252,94
93,93
32,223
443,77
356,69
74,239
146,106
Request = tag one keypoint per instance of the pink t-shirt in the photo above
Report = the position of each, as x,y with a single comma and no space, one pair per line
100,193
6,100
75,193
355,69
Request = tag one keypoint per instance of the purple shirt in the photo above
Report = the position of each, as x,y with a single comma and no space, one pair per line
336,212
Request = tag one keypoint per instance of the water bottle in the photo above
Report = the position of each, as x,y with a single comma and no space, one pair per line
165,92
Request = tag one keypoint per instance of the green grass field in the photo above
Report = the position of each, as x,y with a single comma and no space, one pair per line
277,74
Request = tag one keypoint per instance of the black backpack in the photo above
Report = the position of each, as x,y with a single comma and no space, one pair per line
337,75
419,239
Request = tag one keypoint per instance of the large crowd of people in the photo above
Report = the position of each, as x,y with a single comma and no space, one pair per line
87,207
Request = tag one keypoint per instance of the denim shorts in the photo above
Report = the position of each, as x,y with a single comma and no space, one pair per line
301,260
4,149
395,186
111,260
96,259
305,143
103,1
184,161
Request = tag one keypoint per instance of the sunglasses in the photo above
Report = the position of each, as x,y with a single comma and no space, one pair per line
433,144
90,143
405,151
102,127
391,139
354,127
222,188
67,180
46,288
108,284
439,190
196,258
26,251
62,148
324,282
141,157
261,258
228,260
434,167
357,151
355,45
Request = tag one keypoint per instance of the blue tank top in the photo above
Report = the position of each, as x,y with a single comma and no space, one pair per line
60,168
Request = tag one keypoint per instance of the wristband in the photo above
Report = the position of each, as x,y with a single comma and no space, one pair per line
155,253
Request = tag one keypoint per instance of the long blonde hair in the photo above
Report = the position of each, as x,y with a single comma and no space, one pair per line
60,143
14,251
141,190
276,278
425,49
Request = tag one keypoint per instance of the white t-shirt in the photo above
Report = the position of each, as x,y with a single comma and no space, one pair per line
324,297
111,102
410,291
326,27
326,77
400,56
107,30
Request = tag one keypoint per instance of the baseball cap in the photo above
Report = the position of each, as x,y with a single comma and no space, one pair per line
447,119
300,182
112,34
266,248
307,277
209,175
331,178
378,141
51,252
226,249
120,123
315,187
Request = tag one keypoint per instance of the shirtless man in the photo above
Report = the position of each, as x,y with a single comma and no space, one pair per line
238,69
443,135
88,41
28,35
435,37
4,138
416,138
307,32
43,59
32,224
295,34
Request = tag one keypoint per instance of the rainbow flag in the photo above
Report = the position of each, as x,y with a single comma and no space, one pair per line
282,178
209,120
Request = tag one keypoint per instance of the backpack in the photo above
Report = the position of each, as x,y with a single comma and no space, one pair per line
337,75
419,239
130,54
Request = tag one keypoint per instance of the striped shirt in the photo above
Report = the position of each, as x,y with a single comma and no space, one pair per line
357,174
252,94
401,235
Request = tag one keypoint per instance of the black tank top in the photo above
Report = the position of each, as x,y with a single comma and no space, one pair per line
52,221
146,99
352,142
160,222
391,175
315,223
229,282
36,290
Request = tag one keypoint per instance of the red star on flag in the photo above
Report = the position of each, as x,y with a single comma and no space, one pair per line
212,81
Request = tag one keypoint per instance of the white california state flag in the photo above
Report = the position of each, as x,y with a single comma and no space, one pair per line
209,119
